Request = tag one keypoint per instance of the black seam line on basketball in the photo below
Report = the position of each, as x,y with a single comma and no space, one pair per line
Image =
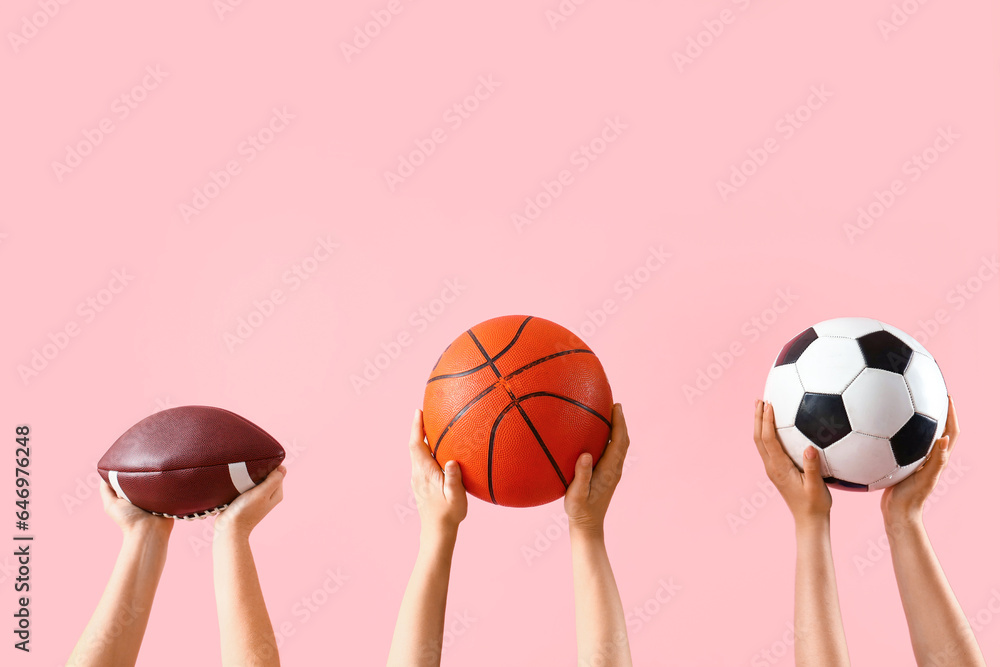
568,400
541,443
487,363
489,456
543,359
482,349
459,415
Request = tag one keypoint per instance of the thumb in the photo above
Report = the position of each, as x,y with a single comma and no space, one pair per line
811,467
452,480
582,476
936,461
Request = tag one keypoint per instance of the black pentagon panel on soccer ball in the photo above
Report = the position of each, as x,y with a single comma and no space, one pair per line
884,351
795,347
822,418
912,442
847,486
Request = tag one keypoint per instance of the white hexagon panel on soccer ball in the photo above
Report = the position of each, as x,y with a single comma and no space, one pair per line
907,338
795,443
930,395
848,327
783,391
897,476
860,458
878,403
829,364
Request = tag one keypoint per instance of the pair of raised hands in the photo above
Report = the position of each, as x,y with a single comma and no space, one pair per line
807,496
442,501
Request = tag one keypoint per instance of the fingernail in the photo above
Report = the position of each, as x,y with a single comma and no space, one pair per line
810,453
588,459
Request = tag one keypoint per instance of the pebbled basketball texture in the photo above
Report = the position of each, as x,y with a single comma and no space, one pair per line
516,400
189,461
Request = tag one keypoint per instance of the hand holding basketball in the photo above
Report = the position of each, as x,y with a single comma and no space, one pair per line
240,518
805,493
129,517
441,498
589,494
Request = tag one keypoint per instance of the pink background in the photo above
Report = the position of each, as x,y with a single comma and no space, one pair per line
160,341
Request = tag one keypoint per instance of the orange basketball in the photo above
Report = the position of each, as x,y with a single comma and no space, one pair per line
516,400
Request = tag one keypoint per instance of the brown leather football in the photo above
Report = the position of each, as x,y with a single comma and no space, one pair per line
189,462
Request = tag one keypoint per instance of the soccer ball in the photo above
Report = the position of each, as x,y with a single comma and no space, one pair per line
867,396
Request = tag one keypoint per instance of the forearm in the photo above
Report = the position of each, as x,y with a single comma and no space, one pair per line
939,631
819,628
114,634
245,631
601,635
419,633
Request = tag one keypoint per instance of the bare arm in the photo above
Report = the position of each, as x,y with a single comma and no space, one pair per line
245,631
114,634
819,628
442,504
939,631
601,636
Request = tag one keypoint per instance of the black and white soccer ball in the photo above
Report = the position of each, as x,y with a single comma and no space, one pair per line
868,396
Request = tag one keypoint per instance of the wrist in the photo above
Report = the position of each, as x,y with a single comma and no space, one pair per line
812,524
150,531
439,533
586,532
902,522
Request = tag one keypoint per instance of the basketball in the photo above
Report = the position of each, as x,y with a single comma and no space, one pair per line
516,400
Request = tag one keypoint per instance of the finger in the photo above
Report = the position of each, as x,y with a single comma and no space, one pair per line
811,468
758,425
769,436
951,424
582,474
453,487
420,454
108,495
613,458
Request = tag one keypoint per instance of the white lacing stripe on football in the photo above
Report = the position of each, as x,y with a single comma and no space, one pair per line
192,517
241,476
113,478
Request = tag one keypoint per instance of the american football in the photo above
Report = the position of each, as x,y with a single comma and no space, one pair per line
189,462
